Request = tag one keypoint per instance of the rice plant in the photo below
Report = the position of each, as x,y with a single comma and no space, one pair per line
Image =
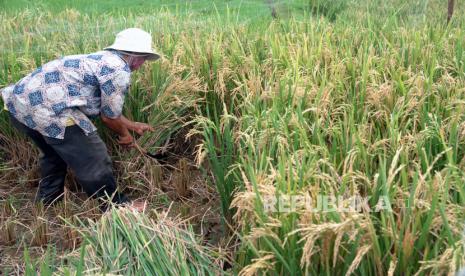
128,243
182,179
8,222
39,227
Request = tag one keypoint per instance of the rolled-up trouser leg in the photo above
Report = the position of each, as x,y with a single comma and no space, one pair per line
87,156
52,167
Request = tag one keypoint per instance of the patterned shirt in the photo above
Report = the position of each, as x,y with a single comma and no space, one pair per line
75,87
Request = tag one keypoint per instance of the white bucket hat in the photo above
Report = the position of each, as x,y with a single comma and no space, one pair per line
134,40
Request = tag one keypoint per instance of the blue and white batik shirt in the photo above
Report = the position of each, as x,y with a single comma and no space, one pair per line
74,88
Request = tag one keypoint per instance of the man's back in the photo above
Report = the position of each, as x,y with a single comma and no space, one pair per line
68,91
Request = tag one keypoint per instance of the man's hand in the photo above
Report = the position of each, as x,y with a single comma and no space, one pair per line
141,128
122,126
126,140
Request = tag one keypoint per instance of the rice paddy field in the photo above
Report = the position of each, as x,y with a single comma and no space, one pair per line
269,111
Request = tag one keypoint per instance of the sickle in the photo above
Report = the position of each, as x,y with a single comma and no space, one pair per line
160,157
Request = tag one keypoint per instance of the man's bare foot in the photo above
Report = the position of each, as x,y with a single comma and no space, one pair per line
137,205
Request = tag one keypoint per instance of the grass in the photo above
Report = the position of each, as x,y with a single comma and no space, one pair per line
353,98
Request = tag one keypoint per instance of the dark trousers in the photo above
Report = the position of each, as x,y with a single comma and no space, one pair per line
86,156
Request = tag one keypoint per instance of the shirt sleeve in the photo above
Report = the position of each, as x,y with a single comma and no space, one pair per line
113,89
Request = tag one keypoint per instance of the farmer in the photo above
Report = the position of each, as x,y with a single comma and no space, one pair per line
54,106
